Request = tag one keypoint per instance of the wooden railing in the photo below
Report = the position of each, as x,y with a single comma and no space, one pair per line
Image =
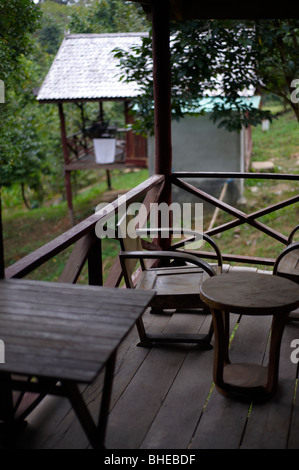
240,216
87,247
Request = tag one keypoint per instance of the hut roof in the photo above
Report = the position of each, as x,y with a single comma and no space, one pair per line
85,69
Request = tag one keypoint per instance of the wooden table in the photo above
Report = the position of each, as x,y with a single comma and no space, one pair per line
248,294
59,336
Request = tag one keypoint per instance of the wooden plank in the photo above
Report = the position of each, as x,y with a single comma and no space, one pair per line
176,420
115,274
62,331
236,175
141,400
72,294
147,404
77,259
268,423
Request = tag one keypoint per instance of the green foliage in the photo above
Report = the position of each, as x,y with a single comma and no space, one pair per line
18,20
19,150
106,16
50,35
25,137
220,58
53,25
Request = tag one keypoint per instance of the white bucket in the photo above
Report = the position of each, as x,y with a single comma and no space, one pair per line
104,150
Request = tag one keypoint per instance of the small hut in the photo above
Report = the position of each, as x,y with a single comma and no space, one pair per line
86,70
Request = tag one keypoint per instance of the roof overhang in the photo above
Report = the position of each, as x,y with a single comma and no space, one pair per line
196,9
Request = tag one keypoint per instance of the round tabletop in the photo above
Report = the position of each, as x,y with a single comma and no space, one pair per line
250,293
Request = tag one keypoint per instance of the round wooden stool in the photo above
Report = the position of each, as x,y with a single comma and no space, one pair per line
248,293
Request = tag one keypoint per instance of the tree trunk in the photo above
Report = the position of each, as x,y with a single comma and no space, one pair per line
24,197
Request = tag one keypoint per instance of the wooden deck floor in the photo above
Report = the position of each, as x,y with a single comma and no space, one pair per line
163,397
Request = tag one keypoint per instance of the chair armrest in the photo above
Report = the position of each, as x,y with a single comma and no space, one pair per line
168,255
194,233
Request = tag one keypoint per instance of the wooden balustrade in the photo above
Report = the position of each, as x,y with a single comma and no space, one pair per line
240,216
87,247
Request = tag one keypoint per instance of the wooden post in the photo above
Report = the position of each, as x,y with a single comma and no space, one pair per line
162,97
129,134
95,268
67,174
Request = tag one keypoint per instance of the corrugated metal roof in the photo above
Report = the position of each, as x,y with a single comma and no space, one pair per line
85,68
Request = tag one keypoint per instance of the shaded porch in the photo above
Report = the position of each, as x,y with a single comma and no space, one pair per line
163,397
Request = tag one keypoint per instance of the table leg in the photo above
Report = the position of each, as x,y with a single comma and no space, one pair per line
221,334
246,381
277,329
8,426
106,397
95,433
6,398
73,393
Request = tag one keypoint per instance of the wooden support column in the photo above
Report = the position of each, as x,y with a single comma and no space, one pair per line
67,174
129,134
162,97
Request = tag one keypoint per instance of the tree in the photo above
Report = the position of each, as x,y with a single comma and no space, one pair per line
220,58
51,34
106,16
18,20
19,159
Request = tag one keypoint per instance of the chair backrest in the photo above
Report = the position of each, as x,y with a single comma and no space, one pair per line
291,236
287,263
129,241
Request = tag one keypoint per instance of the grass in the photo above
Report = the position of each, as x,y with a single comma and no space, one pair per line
24,231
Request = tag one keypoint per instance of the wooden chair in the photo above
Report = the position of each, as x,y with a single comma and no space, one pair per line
177,285
287,263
